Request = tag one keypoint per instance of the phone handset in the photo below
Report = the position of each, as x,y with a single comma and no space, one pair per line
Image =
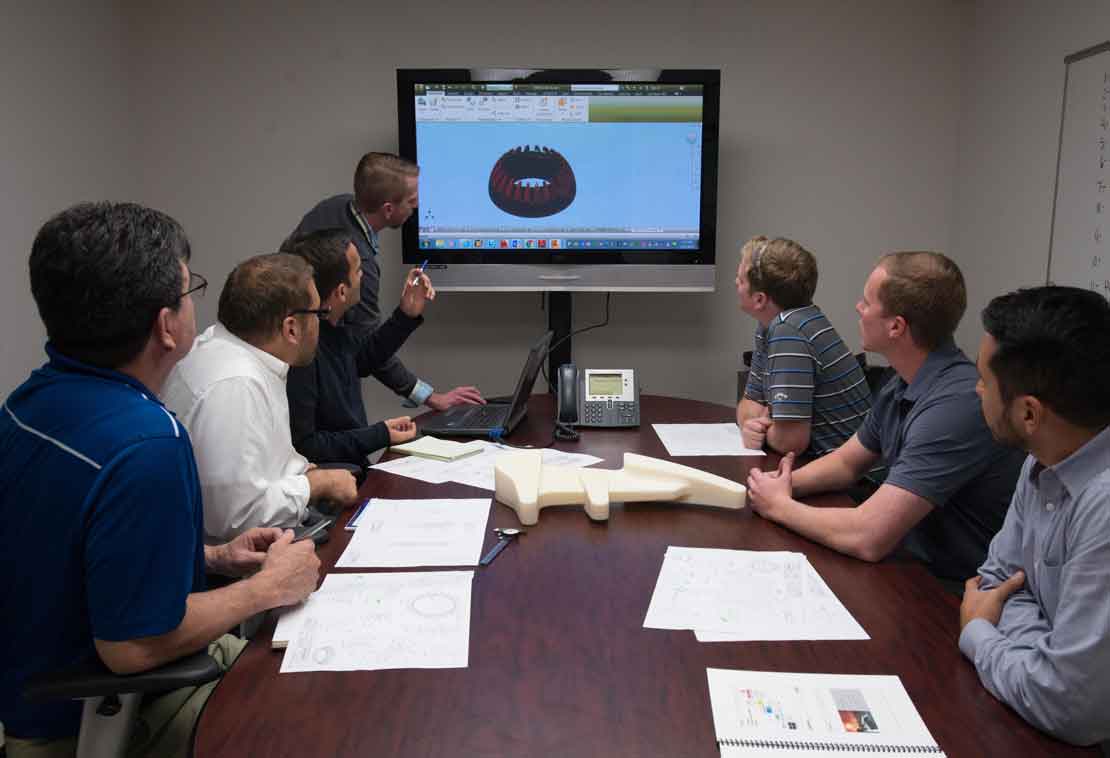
566,414
568,393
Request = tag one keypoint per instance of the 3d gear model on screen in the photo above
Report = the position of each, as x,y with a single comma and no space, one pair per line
532,181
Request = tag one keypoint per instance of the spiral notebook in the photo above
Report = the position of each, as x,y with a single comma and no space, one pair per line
763,713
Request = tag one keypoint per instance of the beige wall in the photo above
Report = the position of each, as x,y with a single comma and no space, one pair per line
1009,133
250,117
66,135
855,128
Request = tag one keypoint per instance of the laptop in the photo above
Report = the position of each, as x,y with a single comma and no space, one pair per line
481,420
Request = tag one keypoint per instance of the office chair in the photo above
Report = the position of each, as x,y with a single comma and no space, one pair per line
876,376
111,701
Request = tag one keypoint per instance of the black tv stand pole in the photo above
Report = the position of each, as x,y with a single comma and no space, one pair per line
560,318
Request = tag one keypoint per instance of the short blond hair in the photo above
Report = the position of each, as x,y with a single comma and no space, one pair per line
927,290
380,178
782,269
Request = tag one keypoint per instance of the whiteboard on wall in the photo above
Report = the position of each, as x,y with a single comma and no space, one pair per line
1079,244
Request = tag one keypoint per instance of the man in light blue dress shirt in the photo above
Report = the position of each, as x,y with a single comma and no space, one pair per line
1036,619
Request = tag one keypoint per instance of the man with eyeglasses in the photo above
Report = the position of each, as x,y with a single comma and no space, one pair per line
230,393
326,411
101,544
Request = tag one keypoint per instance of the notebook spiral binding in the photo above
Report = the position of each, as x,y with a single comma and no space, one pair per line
832,746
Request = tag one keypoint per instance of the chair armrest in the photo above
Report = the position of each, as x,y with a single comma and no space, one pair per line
94,679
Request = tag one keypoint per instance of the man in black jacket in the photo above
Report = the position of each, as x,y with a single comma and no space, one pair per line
385,195
326,415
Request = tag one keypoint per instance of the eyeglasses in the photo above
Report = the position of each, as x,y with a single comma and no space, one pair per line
321,313
198,285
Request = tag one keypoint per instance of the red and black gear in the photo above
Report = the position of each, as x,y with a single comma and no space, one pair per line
510,191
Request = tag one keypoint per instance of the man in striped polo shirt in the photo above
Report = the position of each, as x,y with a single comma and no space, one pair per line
806,392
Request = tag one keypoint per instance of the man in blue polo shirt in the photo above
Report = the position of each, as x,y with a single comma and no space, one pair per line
949,482
101,533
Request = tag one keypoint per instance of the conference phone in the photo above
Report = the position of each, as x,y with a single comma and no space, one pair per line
598,397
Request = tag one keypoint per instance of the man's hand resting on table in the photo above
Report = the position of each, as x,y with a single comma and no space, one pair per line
441,401
768,490
753,432
401,429
987,604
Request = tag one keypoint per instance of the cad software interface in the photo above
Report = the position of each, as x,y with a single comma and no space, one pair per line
559,166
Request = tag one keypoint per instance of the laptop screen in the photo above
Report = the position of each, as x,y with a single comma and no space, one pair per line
528,377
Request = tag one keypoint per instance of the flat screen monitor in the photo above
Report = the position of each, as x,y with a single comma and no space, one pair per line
562,180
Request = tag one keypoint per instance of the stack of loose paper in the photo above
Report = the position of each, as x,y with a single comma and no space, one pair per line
439,450
702,439
365,622
763,713
395,533
740,595
474,470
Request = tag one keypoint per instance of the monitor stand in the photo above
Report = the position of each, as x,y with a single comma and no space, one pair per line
560,320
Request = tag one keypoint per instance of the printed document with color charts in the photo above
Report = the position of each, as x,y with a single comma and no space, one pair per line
762,713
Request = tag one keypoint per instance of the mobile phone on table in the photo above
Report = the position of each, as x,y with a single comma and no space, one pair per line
317,532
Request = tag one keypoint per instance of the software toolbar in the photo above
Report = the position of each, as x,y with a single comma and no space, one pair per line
547,108
553,243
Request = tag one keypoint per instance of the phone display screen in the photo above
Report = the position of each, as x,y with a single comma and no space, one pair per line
604,384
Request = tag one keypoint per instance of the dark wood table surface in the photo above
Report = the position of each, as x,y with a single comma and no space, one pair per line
560,664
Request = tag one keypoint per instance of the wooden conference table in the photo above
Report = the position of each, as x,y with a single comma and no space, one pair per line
560,664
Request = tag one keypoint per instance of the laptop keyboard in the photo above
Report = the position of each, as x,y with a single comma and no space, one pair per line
483,415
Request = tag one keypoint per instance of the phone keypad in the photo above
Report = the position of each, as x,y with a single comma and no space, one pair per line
610,413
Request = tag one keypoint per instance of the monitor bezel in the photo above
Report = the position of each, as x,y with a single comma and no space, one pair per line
703,256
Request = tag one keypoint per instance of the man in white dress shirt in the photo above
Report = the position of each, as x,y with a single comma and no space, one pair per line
229,391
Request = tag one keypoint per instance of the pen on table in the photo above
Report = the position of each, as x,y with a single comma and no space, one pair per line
416,279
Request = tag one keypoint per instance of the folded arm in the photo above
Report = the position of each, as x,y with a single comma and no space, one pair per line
1055,674
789,436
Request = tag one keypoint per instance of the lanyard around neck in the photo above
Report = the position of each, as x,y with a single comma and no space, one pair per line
366,230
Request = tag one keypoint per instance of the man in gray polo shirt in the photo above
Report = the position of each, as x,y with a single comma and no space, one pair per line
806,392
949,482
1036,619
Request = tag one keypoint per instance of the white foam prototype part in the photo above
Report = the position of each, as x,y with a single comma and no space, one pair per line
526,485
